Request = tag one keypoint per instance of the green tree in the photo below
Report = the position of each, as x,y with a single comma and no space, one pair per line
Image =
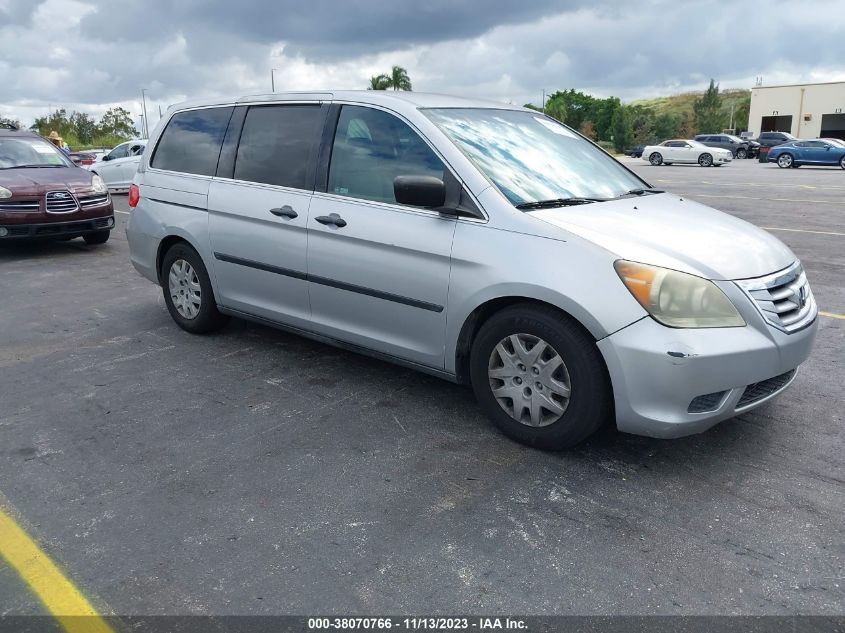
379,82
623,133
556,110
741,114
56,121
116,122
399,79
84,127
666,126
709,117
643,124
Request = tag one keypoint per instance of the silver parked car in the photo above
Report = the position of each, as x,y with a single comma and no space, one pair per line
480,242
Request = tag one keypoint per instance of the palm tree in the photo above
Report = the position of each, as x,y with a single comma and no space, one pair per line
399,78
379,82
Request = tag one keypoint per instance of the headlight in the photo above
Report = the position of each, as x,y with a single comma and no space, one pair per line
5,193
98,184
678,299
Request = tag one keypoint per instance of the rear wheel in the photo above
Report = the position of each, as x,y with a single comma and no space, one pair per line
785,161
655,159
705,160
99,237
741,153
187,291
540,377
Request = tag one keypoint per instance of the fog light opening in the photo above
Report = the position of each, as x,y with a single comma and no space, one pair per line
3,231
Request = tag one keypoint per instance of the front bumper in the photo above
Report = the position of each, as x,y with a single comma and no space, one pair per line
675,382
55,229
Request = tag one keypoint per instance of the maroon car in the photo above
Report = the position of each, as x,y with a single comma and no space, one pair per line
43,195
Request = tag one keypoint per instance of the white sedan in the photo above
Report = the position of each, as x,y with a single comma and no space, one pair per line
118,167
686,151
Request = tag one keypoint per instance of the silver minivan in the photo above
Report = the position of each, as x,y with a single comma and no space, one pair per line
480,242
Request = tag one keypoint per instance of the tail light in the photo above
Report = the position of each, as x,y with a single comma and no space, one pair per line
134,195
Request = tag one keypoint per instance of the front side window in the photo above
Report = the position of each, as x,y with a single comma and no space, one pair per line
17,153
371,148
121,151
192,140
277,145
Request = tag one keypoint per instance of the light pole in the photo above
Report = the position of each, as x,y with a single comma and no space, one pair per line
273,79
146,122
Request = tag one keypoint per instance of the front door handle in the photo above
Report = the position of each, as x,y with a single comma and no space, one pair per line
332,218
285,212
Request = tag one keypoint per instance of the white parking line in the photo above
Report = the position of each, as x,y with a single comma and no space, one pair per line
123,212
709,195
774,228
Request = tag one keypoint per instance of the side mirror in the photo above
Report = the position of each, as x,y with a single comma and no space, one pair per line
419,191
106,157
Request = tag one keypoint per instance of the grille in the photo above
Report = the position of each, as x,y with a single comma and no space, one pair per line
784,298
763,389
93,201
61,202
24,206
707,402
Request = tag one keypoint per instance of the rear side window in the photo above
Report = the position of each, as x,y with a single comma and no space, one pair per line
191,141
371,148
277,145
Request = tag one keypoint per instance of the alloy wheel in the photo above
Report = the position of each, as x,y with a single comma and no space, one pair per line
784,160
705,160
529,380
185,290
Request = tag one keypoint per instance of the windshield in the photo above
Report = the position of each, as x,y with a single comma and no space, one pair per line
531,157
30,152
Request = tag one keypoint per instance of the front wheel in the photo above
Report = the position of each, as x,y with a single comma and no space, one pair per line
655,159
705,160
98,237
741,153
187,291
540,377
785,161
842,162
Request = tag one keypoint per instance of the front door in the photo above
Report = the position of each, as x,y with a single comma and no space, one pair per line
258,216
379,271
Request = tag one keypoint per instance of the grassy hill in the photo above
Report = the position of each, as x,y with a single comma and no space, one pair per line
680,105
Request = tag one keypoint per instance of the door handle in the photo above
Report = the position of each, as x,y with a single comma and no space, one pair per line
285,212
332,218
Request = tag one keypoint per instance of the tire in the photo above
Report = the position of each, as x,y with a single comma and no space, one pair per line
185,278
741,154
842,162
785,161
98,237
705,160
589,403
655,159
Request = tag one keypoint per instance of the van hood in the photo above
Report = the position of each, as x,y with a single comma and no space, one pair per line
677,233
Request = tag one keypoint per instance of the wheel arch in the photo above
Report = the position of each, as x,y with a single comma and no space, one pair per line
482,313
168,242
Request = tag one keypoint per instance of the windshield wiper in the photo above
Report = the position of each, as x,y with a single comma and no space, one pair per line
558,202
33,166
639,192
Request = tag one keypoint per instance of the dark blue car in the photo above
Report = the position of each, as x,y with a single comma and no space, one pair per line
817,152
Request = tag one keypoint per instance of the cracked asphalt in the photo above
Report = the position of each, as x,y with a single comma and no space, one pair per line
255,472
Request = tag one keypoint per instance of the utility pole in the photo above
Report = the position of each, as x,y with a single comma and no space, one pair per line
544,101
146,123
272,80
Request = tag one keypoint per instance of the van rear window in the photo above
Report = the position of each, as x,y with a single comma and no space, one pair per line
192,140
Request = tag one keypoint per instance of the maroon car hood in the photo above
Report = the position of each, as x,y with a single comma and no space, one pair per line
38,180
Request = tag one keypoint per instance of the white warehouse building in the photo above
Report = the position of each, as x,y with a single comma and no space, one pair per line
803,110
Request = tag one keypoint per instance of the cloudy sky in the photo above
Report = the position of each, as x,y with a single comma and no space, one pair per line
92,54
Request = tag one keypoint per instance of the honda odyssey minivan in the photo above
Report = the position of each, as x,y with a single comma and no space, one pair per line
480,242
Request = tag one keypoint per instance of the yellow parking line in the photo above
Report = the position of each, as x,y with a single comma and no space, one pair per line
832,315
56,592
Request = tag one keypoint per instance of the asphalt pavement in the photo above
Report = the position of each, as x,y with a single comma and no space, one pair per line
255,472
